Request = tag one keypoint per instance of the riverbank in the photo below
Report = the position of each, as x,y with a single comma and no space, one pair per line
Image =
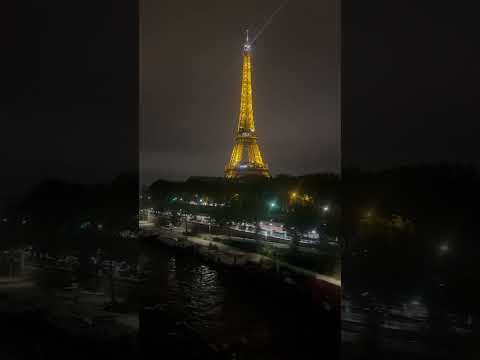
324,290
230,255
212,307
77,318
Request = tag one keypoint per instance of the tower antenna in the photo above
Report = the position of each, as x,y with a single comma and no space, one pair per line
247,46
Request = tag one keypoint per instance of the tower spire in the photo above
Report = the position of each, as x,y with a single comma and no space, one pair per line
247,46
246,158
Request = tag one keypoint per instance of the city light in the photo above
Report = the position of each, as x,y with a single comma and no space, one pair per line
304,198
415,302
444,248
326,208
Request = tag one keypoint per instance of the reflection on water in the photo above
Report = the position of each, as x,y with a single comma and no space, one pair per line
222,305
403,325
208,299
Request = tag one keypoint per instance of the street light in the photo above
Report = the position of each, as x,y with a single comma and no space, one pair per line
307,198
326,208
443,248
273,204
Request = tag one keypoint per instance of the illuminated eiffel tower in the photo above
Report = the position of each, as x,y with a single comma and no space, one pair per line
246,158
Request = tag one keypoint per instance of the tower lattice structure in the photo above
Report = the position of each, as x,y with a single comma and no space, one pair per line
246,158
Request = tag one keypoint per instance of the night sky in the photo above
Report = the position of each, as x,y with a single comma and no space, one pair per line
69,95
191,59
69,92
410,78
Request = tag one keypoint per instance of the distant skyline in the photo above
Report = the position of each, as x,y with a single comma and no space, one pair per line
191,58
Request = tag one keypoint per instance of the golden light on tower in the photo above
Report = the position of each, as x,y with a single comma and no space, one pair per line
246,158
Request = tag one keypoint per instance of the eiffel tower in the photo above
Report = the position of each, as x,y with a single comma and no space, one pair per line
246,158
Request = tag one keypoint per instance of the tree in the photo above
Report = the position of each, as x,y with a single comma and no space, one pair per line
299,219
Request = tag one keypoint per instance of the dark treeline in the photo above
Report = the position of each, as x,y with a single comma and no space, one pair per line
299,203
434,196
58,216
320,186
256,198
413,230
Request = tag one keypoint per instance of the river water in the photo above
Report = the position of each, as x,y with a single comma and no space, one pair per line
272,319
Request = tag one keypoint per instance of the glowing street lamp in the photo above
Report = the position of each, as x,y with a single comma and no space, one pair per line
444,248
326,208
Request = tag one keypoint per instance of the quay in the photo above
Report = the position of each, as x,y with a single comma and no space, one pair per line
326,289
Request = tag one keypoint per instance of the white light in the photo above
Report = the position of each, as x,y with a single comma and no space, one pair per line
444,248
415,302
